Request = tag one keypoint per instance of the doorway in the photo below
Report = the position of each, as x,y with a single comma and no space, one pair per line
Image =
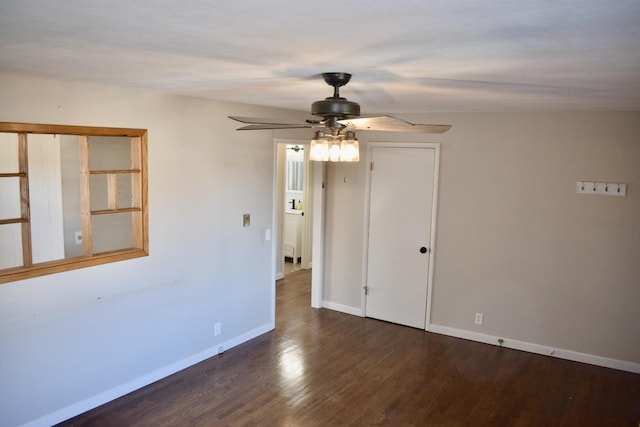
402,189
294,207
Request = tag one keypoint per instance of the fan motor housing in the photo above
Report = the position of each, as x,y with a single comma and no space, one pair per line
335,107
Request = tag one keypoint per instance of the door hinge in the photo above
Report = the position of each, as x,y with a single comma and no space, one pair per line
371,168
366,290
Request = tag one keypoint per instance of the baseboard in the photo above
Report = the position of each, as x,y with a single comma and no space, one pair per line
356,311
119,391
279,276
560,353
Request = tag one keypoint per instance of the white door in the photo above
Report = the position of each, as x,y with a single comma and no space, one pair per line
400,212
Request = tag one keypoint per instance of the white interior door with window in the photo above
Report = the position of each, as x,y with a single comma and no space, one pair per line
401,211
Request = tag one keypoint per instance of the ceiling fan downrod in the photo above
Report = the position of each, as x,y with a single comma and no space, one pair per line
336,80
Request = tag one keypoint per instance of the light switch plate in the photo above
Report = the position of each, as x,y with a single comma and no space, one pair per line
246,220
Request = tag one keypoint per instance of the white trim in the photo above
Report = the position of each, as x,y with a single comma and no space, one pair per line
275,233
365,231
307,224
432,242
355,311
317,274
119,391
434,209
560,353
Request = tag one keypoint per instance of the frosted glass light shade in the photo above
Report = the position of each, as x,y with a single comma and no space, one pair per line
319,148
334,151
349,151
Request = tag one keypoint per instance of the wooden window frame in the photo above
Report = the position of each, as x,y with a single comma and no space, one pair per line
139,211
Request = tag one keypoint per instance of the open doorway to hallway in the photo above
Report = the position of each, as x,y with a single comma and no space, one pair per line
293,207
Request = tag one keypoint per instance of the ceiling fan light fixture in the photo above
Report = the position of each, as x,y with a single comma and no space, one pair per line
349,148
319,148
335,151
338,148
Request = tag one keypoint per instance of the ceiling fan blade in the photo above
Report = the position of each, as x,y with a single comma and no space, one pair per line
392,124
276,126
262,121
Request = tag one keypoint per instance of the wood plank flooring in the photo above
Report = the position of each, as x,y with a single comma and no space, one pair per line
324,368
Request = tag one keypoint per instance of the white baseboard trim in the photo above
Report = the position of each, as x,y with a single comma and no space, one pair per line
356,311
560,353
279,276
119,391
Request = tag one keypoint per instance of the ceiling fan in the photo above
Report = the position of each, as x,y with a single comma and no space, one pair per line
339,118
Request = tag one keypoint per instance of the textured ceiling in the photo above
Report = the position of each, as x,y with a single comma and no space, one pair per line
406,56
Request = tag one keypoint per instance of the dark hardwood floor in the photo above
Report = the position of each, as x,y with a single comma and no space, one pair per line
324,368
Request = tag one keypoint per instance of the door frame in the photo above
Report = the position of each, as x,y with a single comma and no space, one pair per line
314,199
434,209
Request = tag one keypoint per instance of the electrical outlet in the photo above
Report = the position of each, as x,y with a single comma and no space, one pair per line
479,318
217,329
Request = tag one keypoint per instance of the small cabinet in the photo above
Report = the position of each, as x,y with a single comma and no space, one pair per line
292,246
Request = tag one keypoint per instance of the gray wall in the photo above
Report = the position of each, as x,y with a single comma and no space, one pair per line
73,340
70,162
514,241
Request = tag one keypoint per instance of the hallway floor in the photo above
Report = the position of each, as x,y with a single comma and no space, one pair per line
290,267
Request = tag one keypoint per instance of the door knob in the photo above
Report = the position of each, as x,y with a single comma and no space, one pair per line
423,250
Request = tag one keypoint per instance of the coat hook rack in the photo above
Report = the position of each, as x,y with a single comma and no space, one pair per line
601,188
